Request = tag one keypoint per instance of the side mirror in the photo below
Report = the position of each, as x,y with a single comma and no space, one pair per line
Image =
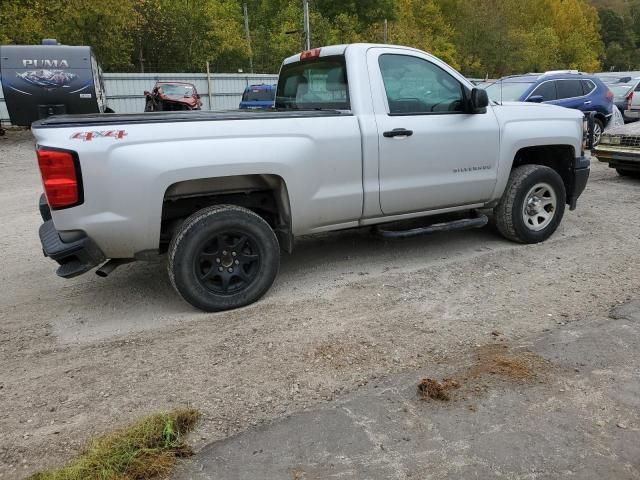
535,99
146,93
479,100
198,96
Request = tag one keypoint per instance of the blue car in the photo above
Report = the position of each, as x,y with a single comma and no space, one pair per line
258,97
570,89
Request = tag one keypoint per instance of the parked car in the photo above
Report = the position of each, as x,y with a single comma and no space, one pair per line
620,148
633,104
484,84
259,97
623,95
171,97
362,135
622,86
570,89
614,77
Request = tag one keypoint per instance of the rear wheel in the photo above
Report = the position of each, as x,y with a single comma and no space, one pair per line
223,257
598,128
532,205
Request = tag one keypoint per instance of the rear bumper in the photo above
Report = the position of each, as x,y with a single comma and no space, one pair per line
75,257
581,171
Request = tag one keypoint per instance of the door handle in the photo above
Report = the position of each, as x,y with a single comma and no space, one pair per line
398,132
588,102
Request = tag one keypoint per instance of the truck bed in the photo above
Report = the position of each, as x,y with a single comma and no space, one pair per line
61,121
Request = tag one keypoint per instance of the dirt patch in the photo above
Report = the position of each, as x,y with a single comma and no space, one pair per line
501,361
341,354
492,361
79,354
435,390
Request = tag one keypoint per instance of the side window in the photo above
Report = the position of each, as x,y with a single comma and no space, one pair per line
416,86
569,88
587,86
637,89
546,90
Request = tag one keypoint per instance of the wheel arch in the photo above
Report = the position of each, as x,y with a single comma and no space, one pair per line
265,194
560,158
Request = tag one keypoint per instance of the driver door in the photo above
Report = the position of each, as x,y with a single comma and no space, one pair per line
433,154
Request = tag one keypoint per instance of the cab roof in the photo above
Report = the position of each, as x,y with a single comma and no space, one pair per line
333,50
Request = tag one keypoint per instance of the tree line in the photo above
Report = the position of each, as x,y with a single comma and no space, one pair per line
479,37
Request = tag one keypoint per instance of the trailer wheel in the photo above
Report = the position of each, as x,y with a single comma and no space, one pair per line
223,257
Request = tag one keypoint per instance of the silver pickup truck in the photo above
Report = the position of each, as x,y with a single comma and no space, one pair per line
361,135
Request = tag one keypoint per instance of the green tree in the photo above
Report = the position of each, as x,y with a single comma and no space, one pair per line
421,24
182,35
104,25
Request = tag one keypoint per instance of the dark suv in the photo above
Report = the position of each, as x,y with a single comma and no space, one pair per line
570,89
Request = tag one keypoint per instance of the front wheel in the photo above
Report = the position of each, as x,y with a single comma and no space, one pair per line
223,257
532,205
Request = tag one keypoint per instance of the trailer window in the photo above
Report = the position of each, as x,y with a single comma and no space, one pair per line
314,84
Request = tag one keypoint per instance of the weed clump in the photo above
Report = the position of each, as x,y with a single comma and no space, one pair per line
145,449
436,390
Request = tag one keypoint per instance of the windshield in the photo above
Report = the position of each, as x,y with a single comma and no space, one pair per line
620,90
258,95
507,91
176,89
314,84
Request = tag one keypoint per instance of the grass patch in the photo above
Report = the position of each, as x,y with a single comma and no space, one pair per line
145,449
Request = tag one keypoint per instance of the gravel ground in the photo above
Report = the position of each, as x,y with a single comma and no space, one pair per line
84,355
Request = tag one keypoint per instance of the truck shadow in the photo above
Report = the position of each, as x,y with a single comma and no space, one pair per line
139,297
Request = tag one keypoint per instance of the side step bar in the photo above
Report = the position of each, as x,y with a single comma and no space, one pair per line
462,224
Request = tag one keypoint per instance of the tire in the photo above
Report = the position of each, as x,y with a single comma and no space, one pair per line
230,238
628,173
531,189
148,106
598,126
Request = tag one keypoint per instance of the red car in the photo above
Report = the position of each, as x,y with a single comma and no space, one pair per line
172,96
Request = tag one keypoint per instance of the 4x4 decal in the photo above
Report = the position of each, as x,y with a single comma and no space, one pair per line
88,136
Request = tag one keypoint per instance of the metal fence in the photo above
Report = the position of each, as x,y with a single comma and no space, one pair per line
125,91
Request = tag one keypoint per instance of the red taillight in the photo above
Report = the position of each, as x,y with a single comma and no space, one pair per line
60,177
630,97
610,95
310,54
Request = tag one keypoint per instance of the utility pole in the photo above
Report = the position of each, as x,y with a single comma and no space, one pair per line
141,59
386,31
246,31
307,28
209,92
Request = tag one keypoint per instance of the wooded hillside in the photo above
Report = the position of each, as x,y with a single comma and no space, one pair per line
481,37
